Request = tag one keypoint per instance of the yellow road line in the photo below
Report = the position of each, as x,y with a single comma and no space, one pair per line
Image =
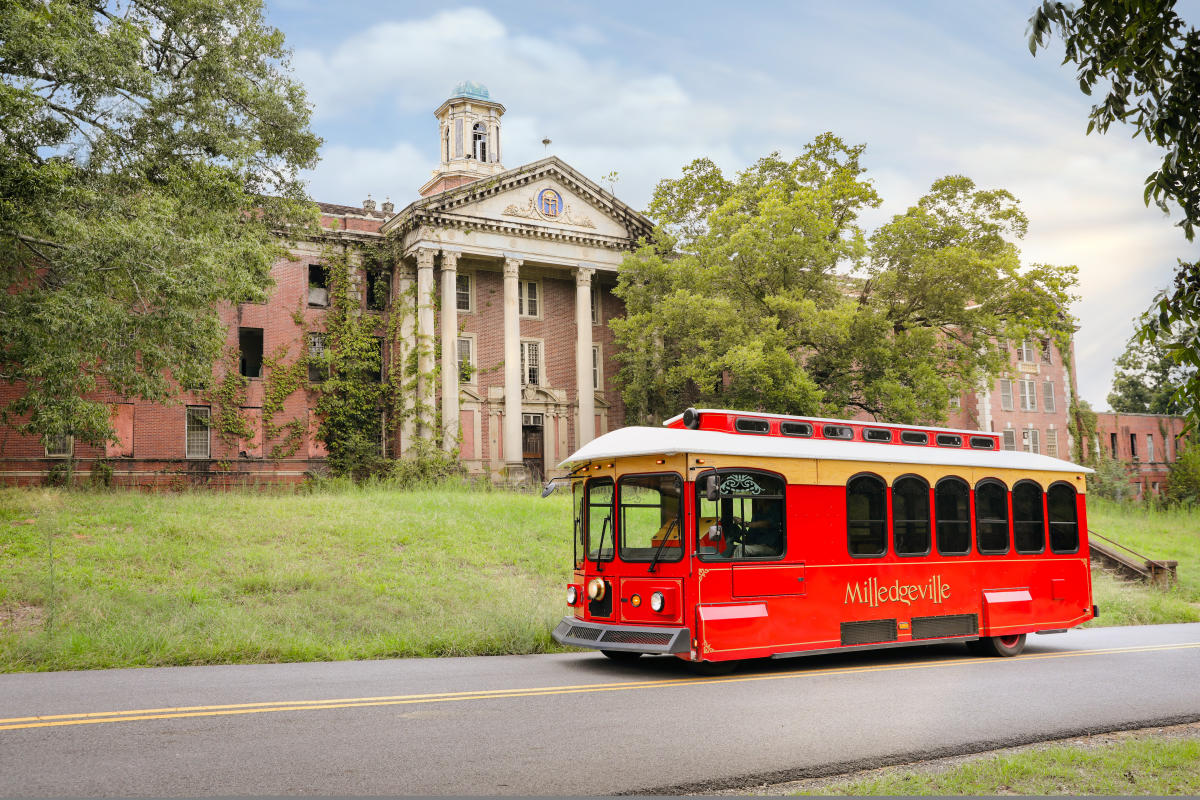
182,712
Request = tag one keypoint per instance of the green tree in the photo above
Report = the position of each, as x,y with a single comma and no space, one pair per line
1146,379
150,152
763,292
1183,480
1148,60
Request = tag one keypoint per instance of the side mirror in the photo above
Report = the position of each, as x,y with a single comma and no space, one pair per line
549,488
710,487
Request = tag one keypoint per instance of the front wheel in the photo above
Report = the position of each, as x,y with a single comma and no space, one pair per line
1002,646
621,656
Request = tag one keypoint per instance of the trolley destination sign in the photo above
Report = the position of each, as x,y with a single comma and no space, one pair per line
874,594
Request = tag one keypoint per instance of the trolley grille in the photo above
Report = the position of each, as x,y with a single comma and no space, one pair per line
869,632
948,625
580,632
635,637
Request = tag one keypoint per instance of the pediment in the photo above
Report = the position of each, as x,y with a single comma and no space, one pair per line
546,196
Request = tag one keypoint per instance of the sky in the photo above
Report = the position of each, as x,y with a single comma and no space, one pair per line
641,89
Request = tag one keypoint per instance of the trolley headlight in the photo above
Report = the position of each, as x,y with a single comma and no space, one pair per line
656,602
595,589
572,595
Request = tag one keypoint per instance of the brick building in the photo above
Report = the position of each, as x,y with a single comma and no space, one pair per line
1147,443
508,271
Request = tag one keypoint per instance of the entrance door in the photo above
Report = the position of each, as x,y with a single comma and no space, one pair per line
533,446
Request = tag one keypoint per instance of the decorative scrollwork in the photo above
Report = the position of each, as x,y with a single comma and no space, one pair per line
740,483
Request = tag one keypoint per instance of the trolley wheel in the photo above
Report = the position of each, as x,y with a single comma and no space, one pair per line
712,668
621,656
1003,646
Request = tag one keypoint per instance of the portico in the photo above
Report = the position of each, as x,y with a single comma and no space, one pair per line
525,260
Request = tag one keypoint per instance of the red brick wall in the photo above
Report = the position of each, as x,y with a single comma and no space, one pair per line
1165,431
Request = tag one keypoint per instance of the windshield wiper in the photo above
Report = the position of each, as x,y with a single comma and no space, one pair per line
600,545
662,544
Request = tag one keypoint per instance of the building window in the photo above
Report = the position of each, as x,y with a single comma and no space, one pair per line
1048,397
462,292
595,304
1046,358
597,376
59,445
1133,446
1052,443
1113,441
1150,447
318,369
1031,440
528,299
318,285
466,359
1025,352
1028,390
956,403
198,431
250,346
531,363
1006,397
479,141
379,286
1010,439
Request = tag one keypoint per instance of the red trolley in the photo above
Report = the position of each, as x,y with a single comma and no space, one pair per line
728,535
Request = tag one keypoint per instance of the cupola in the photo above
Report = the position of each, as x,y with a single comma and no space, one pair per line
468,138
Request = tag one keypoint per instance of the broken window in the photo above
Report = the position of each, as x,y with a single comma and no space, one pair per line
379,287
318,368
318,285
250,345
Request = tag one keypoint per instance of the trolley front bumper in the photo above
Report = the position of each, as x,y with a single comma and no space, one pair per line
634,639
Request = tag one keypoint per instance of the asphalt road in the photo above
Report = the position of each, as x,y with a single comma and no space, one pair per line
570,724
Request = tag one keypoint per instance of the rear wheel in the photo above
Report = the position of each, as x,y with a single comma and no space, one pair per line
1002,646
621,656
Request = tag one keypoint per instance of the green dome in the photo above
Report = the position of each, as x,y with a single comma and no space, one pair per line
471,89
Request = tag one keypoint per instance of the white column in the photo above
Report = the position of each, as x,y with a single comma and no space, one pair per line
449,350
512,370
425,387
402,301
583,357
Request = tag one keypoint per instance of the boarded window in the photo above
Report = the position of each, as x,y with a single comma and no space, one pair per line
198,418
866,515
1052,443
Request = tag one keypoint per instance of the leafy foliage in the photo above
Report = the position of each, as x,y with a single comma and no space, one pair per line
1147,378
1183,481
149,149
1112,479
763,292
1150,61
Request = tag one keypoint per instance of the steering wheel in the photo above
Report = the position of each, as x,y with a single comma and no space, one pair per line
735,531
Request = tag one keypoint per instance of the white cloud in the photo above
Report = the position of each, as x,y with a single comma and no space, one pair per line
926,106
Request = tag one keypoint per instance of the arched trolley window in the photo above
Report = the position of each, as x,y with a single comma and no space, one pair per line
910,516
952,515
598,519
649,520
740,515
1029,519
866,515
991,517
1064,518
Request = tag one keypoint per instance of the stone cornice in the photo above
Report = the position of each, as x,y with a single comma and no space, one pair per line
436,219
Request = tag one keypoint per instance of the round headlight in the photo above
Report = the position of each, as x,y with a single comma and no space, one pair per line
572,595
656,601
595,589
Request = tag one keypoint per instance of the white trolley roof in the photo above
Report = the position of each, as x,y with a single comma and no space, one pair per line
644,441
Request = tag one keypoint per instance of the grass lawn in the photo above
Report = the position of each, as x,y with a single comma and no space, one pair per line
1150,766
203,578
1172,535
118,579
